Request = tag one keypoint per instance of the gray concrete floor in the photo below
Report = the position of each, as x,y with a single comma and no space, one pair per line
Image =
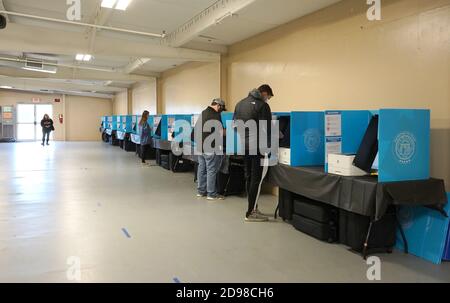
73,199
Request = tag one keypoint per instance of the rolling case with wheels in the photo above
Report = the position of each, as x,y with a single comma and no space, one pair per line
164,161
321,231
113,140
178,164
354,231
232,183
315,210
285,204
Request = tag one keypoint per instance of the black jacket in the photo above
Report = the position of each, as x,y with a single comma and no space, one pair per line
209,114
254,108
47,125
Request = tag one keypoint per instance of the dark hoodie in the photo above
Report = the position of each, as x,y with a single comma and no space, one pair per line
47,125
254,108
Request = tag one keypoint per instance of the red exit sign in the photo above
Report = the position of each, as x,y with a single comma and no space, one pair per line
36,100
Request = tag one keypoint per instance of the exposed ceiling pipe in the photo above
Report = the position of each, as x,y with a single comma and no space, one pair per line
96,26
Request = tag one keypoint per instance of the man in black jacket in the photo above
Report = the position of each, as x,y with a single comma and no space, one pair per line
210,148
255,108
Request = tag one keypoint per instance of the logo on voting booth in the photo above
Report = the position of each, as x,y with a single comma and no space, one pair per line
311,138
405,147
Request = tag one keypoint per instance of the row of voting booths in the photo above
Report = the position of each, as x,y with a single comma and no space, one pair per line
389,146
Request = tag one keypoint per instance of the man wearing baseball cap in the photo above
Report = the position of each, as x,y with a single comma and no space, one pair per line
212,152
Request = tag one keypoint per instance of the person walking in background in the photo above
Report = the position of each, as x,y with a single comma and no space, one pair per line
256,108
145,131
210,159
47,128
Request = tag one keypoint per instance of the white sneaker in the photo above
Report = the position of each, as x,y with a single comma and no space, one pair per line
261,214
218,197
201,195
255,217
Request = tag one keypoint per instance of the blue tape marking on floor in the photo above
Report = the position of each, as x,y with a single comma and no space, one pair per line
126,232
176,280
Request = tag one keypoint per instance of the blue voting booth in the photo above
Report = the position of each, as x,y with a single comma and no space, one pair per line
124,126
446,256
232,140
105,122
404,145
169,127
403,136
426,231
108,127
114,122
135,131
303,134
344,131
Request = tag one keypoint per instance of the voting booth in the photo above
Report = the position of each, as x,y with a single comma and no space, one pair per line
135,131
170,126
232,140
104,122
301,138
403,140
124,126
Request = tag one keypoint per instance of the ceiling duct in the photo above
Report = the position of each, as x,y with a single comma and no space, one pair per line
40,65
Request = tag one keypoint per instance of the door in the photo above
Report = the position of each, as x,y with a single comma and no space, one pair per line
29,118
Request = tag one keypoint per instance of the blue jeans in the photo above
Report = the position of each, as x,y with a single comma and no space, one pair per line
208,167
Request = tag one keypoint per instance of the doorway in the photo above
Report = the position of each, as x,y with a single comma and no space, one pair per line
29,118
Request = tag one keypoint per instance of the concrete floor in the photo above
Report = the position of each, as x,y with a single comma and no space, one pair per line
74,199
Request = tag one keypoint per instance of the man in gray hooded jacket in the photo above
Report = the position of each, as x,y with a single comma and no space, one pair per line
255,108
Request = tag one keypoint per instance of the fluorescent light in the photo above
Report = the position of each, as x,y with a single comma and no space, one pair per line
123,4
6,87
40,70
108,3
83,57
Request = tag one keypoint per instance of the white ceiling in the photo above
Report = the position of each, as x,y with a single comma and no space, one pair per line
115,52
259,17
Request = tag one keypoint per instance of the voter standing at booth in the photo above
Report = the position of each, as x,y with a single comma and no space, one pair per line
145,131
47,128
256,108
210,157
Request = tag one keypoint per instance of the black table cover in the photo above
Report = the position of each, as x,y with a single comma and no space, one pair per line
361,195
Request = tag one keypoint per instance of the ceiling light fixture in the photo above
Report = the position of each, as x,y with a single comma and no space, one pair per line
6,87
108,3
83,57
121,4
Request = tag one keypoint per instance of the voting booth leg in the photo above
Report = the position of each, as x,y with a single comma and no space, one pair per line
366,243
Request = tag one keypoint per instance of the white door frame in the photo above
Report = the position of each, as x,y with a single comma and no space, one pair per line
35,123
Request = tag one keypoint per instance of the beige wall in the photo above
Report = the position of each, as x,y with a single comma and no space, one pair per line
120,103
144,98
337,59
82,115
189,88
